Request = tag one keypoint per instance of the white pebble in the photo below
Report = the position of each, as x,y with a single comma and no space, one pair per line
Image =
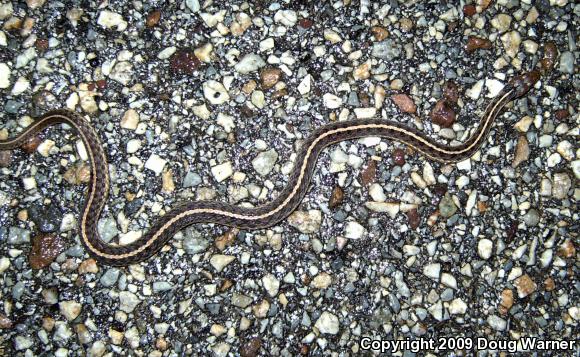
167,52
391,208
4,75
331,101
377,193
20,86
484,248
222,171
304,86
111,19
286,17
133,146
432,271
475,91
457,307
353,230
249,63
494,87
215,92
155,164
554,159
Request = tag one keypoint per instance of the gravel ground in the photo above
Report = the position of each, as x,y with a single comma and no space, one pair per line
210,100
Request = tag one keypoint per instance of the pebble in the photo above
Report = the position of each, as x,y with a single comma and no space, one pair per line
331,101
457,307
271,284
215,92
22,342
511,42
522,151
525,286
4,75
264,162
249,63
501,22
306,221
192,5
566,62
336,197
110,277
251,348
191,179
391,208
17,236
110,20
220,261
331,36
561,184
155,164
447,207
21,86
566,150
485,248
128,301
531,218
497,323
321,281
122,72
377,193
286,17
443,114
222,171
353,230
475,43
432,271
133,146
185,60
269,77
388,50
45,249
405,103
327,323
70,309
304,86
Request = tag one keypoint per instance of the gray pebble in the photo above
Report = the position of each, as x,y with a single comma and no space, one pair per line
110,277
18,236
191,179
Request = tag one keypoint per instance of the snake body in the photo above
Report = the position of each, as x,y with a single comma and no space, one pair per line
262,216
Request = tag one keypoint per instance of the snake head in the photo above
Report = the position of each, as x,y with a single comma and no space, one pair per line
523,83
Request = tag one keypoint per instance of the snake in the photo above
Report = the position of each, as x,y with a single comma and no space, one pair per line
262,216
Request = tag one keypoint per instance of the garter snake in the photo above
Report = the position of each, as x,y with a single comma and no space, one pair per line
241,217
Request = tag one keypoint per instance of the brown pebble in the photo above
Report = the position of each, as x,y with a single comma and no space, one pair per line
161,343
101,84
184,61
475,43
404,102
450,92
482,206
251,347
369,173
469,10
153,18
45,248
379,33
304,349
483,4
406,24
549,284
522,152
561,114
226,284
414,219
5,322
507,301
246,112
41,44
399,157
88,266
48,323
79,173
550,57
336,197
31,144
525,286
167,181
511,231
226,239
305,23
269,77
249,87
567,249
443,114
5,158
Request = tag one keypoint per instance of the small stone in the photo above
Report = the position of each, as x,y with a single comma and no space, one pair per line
447,206
331,36
388,50
321,281
191,179
405,103
336,197
5,158
269,77
399,157
109,19
130,119
222,171
531,218
88,266
220,261
5,322
476,43
501,22
306,221
249,63
70,309
167,184
4,76
271,284
133,146
525,286
432,271
391,208
369,173
511,42
379,33
128,301
22,85
226,239
251,348
414,219
566,150
265,161
353,230
122,73
155,164
497,323
561,185
443,114
184,61
331,101
377,193
362,71
204,52
22,342
193,5
215,92
153,18
567,62
327,323
286,17
567,249
507,301
485,248
45,248
522,151
110,277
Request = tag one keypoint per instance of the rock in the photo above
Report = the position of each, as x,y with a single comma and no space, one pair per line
265,161
191,179
331,101
4,76
327,323
306,222
128,301
271,284
192,5
155,164
525,286
353,230
336,197
369,174
269,77
249,63
511,42
110,277
46,218
391,208
22,343
45,248
88,266
566,62
561,185
261,309
22,85
485,248
522,151
507,301
405,103
122,72
251,347
447,207
184,61
17,236
457,307
497,323
109,20
222,171
387,49
321,281
501,22
432,271
443,114
70,309
220,261
531,218
215,92
153,18
474,43
331,36
304,86
286,17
